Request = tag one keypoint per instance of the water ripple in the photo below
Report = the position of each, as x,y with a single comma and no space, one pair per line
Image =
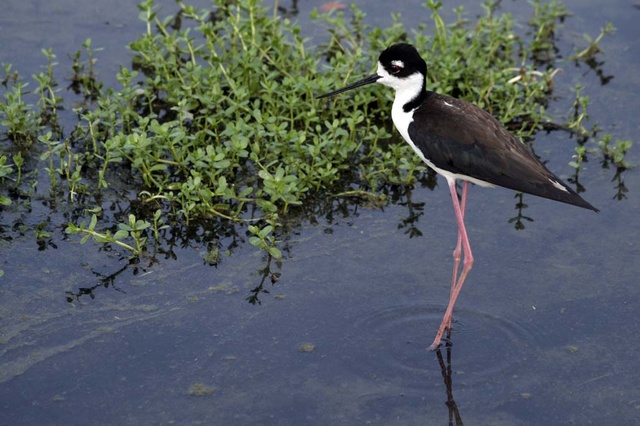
392,344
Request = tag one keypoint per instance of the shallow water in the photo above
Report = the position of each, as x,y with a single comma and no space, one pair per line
545,329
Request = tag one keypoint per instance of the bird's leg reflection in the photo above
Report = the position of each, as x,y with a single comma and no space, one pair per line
454,413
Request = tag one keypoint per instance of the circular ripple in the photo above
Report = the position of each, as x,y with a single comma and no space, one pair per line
392,344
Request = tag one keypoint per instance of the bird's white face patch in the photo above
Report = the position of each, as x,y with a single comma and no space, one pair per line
384,75
406,88
398,63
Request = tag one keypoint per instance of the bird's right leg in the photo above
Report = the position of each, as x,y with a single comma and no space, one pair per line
457,253
467,264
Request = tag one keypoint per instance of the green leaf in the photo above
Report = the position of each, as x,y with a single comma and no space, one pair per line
274,252
121,235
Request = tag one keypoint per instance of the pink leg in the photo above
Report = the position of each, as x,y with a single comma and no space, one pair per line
467,263
457,253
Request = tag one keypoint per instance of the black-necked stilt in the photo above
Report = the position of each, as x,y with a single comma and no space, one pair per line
459,141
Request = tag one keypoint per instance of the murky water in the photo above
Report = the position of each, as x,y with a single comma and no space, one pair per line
546,327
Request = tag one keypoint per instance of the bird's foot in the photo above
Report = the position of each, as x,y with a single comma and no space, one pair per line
436,344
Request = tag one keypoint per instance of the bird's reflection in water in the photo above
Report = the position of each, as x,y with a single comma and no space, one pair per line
445,368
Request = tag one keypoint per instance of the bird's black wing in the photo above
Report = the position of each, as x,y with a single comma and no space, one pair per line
462,138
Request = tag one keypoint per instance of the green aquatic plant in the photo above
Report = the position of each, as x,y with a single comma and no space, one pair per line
134,230
216,121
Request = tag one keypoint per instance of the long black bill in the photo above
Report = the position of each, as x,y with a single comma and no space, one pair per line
371,79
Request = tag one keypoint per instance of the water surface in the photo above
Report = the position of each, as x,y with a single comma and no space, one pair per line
546,326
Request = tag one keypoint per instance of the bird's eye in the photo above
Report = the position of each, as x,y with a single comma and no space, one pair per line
395,69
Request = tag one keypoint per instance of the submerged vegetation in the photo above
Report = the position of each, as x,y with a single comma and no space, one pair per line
214,132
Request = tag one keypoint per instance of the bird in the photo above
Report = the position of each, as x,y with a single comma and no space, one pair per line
461,142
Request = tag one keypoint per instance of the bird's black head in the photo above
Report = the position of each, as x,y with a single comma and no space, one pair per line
402,60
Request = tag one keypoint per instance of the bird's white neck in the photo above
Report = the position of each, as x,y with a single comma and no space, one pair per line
407,89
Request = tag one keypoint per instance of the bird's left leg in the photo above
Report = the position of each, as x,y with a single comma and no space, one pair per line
467,264
457,253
